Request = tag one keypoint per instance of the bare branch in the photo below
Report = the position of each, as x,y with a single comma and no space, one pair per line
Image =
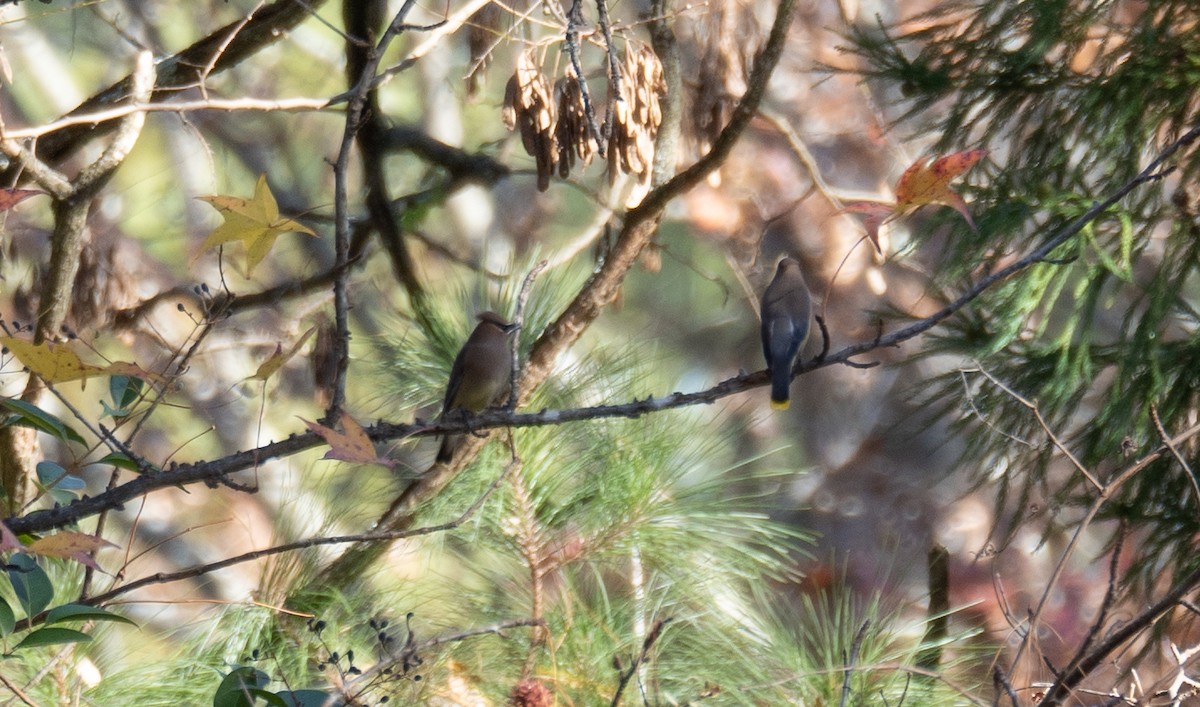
264,105
180,71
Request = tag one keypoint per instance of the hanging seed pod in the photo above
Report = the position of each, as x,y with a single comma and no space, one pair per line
730,36
573,133
529,107
483,31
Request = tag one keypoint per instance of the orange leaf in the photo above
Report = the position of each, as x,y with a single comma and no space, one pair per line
255,222
53,363
929,182
280,357
874,214
70,545
351,445
11,197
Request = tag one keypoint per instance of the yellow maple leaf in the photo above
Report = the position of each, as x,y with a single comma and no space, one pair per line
280,357
59,363
53,363
255,222
927,182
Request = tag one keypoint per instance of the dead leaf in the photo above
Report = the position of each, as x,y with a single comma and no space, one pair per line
874,214
70,545
11,197
929,183
255,222
125,368
351,445
280,357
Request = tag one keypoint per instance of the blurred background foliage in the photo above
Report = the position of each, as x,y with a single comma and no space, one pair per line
720,553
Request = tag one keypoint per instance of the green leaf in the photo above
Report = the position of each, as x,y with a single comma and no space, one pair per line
52,475
8,621
306,698
234,689
83,612
119,460
28,415
29,581
125,391
52,637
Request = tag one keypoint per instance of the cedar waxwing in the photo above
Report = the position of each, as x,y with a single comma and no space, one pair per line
786,309
481,374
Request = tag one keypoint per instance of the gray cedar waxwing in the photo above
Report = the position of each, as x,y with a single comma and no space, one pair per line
481,374
786,309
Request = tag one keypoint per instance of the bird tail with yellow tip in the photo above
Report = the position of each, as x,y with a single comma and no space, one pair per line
781,379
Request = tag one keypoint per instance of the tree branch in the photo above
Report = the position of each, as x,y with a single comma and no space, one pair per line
185,69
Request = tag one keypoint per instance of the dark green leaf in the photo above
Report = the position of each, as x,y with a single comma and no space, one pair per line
28,415
307,698
8,621
83,612
119,460
29,581
52,637
234,689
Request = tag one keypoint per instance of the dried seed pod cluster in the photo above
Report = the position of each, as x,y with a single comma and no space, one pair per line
530,108
729,37
555,129
574,136
483,29
636,114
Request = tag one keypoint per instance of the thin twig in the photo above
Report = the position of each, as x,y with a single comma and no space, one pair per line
571,43
519,325
614,71
1033,407
265,105
624,676
849,670
1106,605
18,692
355,118
1000,680
1166,438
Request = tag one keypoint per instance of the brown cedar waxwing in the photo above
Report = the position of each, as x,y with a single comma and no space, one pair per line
786,309
481,374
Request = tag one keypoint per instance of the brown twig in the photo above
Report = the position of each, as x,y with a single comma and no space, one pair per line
571,44
519,323
1000,680
1166,438
624,675
362,113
